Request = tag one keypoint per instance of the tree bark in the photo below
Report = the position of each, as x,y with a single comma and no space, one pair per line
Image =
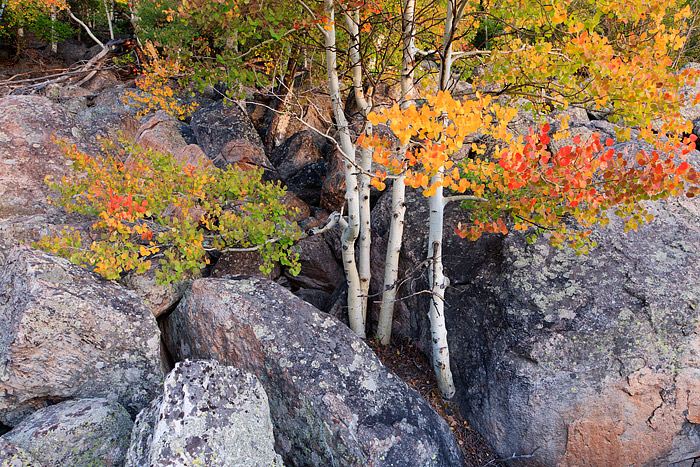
351,227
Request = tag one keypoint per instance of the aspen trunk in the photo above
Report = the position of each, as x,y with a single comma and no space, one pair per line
365,105
438,281
54,44
351,227
438,285
398,189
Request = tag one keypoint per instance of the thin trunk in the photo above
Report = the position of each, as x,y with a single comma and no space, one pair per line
109,13
398,189
87,29
438,281
438,285
365,105
393,252
54,44
351,227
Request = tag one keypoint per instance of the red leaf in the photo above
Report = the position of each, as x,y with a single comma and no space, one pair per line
609,142
577,139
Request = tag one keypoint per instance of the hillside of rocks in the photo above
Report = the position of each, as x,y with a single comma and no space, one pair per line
559,359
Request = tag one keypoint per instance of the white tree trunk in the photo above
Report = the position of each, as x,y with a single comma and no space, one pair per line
351,227
438,281
109,13
398,189
391,265
365,105
438,285
54,44
87,29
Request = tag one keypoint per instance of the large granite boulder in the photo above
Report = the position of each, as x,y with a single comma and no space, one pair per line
75,433
214,415
28,154
578,360
67,333
332,401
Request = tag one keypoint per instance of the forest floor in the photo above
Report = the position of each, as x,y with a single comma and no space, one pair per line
414,369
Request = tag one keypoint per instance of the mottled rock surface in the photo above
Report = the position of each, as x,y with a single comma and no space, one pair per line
582,360
27,156
12,455
209,414
319,268
66,333
295,153
217,124
161,133
76,433
332,401
236,263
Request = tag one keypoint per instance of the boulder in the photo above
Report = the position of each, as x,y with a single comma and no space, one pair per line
295,153
159,298
27,156
161,133
104,79
217,124
307,183
578,360
319,268
67,333
101,121
247,263
75,433
332,401
209,415
12,455
333,189
243,154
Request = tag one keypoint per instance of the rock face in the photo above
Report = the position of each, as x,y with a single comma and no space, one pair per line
331,399
75,433
581,360
319,268
67,334
217,124
209,414
295,153
12,455
27,155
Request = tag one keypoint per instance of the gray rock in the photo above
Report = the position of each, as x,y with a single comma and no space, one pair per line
581,360
209,414
77,433
69,334
319,269
332,401
101,121
12,455
217,124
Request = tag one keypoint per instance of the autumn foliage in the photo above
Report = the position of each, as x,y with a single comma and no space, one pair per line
149,206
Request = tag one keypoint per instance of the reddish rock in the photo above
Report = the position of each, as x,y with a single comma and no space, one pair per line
333,190
244,154
28,154
160,133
